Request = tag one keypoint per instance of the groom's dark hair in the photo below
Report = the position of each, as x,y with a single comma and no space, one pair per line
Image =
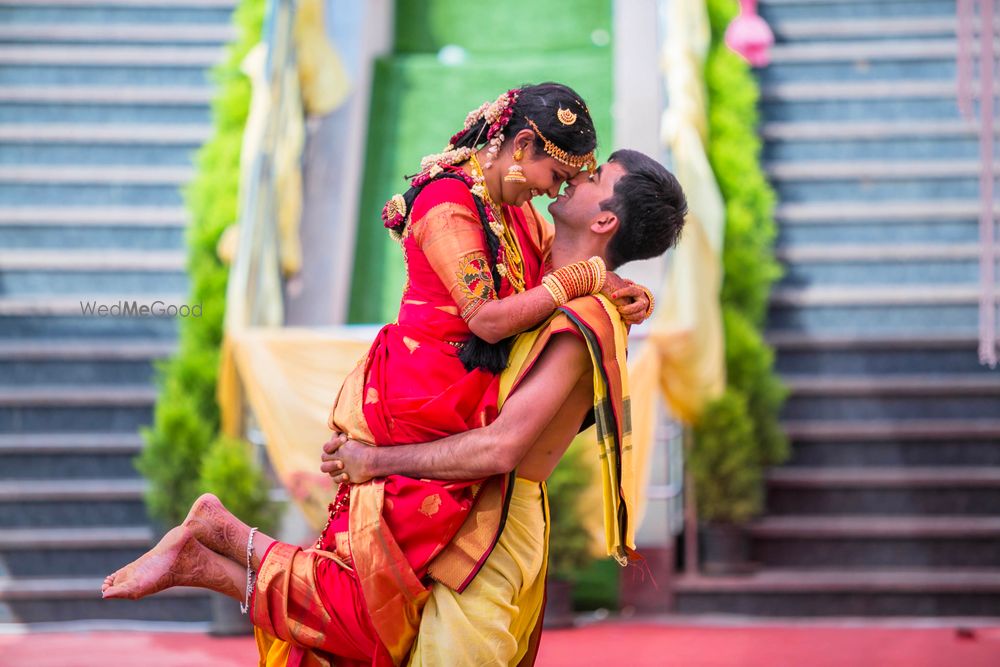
650,206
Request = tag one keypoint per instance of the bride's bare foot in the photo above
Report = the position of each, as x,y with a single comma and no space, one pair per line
159,568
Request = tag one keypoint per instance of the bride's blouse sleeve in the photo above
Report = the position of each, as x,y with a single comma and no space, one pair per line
449,233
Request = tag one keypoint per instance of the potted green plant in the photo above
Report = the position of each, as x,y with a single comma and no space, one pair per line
569,543
727,474
230,471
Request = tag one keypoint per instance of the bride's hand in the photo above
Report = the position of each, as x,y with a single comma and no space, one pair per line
632,300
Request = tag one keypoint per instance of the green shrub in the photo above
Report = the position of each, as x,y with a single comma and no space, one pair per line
746,418
749,368
723,463
231,473
569,542
186,415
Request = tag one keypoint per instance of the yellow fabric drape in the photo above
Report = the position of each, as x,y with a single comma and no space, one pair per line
683,358
317,84
495,615
290,378
602,503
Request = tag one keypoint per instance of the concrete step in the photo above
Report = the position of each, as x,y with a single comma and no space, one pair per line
94,185
863,60
860,101
815,51
59,395
40,552
777,11
940,402
51,319
110,56
844,592
108,4
107,66
124,104
818,542
888,296
108,95
56,305
55,599
823,170
848,252
830,223
57,503
915,429
80,408
98,133
897,490
100,144
868,180
79,362
95,228
88,260
91,272
99,216
885,478
910,385
120,33
898,27
84,350
901,147
888,355
22,539
875,310
881,264
827,212
82,455
109,175
869,130
127,13
823,527
829,91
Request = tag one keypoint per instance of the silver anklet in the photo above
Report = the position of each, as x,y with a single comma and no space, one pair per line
245,606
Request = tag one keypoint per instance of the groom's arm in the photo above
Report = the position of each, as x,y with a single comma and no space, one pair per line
481,452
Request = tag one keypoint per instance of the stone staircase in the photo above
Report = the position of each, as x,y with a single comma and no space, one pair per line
890,505
102,105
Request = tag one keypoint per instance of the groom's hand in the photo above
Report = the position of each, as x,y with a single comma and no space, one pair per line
346,460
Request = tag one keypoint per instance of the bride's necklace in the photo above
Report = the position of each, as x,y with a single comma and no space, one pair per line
512,266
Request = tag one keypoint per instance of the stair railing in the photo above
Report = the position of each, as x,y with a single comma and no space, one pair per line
254,292
966,14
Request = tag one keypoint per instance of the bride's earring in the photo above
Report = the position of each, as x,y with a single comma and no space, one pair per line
515,174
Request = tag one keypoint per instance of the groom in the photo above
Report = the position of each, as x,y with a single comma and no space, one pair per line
629,209
564,372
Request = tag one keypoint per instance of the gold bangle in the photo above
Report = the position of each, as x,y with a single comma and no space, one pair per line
652,303
555,288
602,272
551,291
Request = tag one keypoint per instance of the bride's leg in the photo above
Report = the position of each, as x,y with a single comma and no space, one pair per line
178,560
219,530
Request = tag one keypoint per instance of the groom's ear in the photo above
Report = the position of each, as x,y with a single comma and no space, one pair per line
604,223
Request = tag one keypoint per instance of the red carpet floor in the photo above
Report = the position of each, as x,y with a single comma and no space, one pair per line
634,644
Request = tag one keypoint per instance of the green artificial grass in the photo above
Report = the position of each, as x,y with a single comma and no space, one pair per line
417,104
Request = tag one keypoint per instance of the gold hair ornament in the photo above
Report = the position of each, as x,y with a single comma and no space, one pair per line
579,161
565,116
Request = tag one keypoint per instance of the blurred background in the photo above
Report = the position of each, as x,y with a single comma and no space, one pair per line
816,410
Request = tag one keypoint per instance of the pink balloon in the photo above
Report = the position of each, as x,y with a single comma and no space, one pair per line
750,36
